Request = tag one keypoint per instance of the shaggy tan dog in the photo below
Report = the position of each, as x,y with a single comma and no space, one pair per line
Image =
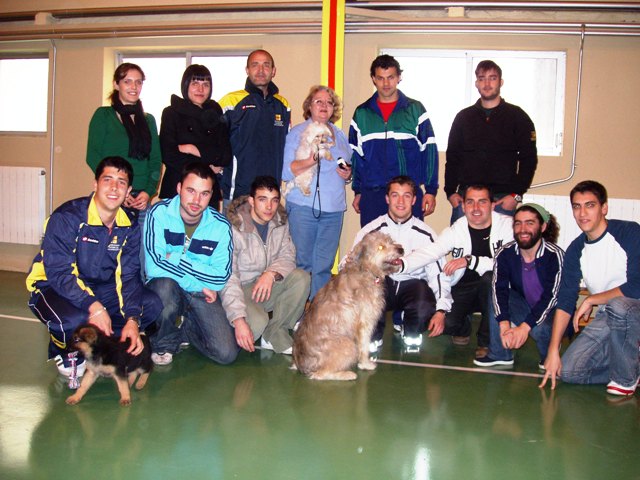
336,330
317,138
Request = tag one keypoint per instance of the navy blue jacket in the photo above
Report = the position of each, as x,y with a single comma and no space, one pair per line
507,274
79,253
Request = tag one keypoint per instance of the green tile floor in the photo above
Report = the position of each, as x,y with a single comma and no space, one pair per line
427,415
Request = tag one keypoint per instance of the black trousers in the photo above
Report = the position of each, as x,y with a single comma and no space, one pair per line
416,301
469,298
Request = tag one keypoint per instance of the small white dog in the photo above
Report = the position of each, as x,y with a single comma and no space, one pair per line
317,138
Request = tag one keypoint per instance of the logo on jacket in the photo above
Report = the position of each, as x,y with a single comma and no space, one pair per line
114,246
90,240
278,121
457,252
244,107
497,245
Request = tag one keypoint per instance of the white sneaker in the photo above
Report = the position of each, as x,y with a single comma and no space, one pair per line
162,358
66,371
375,345
614,388
265,345
412,341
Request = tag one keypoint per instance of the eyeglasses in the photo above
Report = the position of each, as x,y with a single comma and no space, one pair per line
322,103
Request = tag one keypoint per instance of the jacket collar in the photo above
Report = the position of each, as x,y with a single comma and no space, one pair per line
478,106
239,215
372,103
272,89
93,217
174,211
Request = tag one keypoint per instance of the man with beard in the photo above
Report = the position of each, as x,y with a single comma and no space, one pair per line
493,143
526,280
188,255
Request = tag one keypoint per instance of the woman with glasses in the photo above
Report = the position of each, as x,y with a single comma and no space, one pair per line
124,130
192,129
315,220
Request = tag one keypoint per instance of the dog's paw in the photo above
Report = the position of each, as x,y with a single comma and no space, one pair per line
367,365
125,402
73,399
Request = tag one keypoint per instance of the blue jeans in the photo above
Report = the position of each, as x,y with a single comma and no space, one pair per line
518,311
205,324
316,241
607,349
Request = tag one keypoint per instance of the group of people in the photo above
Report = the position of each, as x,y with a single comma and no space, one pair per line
186,274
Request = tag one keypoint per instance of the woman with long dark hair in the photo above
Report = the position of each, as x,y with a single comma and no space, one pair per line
192,129
125,130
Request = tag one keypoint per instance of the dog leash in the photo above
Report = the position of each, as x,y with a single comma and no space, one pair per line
316,194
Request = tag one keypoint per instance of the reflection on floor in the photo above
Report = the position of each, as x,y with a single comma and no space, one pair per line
425,415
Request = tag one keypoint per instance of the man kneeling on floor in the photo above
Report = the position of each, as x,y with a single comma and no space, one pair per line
526,280
607,257
473,241
265,279
188,251
88,269
423,295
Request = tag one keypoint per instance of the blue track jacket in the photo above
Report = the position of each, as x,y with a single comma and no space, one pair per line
206,263
79,253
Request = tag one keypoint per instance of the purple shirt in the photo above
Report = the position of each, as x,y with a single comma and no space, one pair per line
531,283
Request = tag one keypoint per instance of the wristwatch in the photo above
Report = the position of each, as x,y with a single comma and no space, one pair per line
134,319
517,197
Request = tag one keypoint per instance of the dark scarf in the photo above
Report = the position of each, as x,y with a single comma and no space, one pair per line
137,130
210,115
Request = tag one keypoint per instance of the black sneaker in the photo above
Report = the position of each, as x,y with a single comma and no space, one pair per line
492,362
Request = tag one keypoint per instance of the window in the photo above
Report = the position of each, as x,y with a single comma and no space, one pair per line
24,87
164,72
444,81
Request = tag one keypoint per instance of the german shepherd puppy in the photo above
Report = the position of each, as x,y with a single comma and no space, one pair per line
108,357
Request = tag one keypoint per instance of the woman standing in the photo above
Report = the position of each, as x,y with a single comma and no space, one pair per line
124,130
315,221
192,129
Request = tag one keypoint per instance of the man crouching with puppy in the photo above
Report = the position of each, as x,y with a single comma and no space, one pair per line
266,293
423,296
88,269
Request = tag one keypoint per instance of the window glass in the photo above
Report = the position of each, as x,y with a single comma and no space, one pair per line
164,74
24,87
444,81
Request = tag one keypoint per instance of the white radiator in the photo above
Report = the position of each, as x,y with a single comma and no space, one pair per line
560,206
22,204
